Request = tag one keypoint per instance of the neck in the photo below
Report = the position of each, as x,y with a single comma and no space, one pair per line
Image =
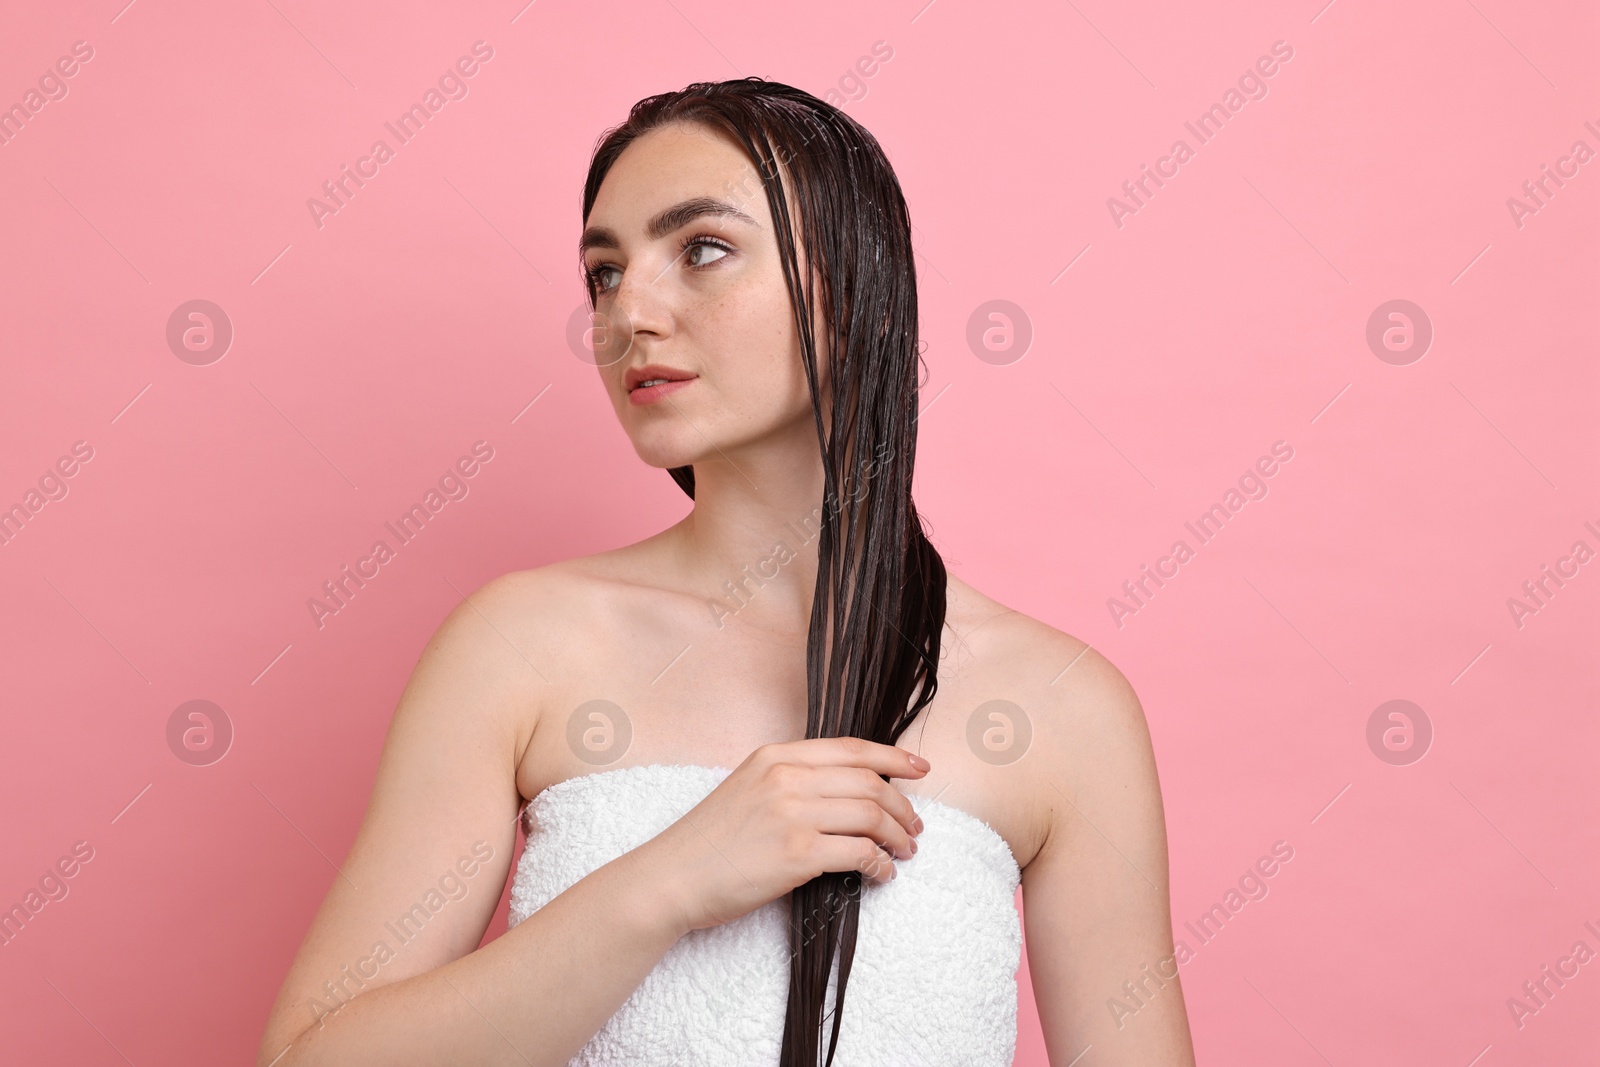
751,541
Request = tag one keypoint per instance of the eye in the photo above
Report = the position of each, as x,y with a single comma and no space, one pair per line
691,249
596,273
703,242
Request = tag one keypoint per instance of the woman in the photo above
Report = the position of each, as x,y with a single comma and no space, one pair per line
719,868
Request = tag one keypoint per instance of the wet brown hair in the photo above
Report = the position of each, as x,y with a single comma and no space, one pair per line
872,650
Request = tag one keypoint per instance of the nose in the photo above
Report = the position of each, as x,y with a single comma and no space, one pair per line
610,334
639,303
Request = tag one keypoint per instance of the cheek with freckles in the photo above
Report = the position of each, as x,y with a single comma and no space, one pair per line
760,376
753,347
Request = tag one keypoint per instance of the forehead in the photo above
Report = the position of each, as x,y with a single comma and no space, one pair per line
672,164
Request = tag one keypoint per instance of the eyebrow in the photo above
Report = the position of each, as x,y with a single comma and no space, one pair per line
664,223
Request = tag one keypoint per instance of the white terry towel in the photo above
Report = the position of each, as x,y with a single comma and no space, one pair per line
934,976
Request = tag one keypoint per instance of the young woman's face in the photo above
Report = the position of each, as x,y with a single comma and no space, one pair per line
700,295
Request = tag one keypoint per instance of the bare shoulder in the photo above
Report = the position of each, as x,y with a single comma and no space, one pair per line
520,618
1076,687
1080,726
443,803
596,583
543,631
1095,875
483,660
504,625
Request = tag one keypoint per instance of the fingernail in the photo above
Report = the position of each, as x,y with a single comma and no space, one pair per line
918,830
920,764
913,846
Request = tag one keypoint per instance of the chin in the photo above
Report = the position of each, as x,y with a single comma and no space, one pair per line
668,454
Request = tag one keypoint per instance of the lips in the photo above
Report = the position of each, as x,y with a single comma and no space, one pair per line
653,372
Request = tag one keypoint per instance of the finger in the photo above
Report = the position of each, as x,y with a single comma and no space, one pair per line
839,853
862,817
858,782
890,760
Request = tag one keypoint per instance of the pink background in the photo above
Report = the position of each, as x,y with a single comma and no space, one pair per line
1228,313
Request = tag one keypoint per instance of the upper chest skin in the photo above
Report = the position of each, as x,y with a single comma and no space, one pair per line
678,688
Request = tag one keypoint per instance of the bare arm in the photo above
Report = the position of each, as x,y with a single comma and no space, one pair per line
534,996
393,947
1096,903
